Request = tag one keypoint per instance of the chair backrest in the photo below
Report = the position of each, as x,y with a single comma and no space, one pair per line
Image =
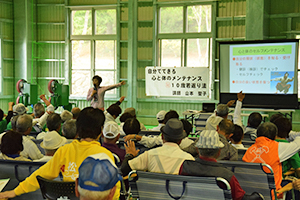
253,177
54,190
17,171
148,185
200,122
241,153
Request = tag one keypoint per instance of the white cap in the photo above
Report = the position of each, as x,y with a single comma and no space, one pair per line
111,130
209,139
53,140
161,115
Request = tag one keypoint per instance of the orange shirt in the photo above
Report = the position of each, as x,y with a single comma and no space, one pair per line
265,150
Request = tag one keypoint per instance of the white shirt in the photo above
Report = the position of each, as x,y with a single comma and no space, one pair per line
30,149
157,128
166,159
44,159
157,140
239,146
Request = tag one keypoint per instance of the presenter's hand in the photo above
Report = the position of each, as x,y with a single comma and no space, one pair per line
7,194
241,96
123,82
230,103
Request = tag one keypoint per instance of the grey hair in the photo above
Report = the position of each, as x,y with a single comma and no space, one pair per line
23,123
222,110
69,129
66,115
267,129
208,152
38,109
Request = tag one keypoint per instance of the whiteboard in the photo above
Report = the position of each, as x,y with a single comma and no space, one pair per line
177,82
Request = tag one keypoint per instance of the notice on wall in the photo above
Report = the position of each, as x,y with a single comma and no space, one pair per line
177,82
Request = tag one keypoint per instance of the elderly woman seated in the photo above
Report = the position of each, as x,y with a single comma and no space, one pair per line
11,146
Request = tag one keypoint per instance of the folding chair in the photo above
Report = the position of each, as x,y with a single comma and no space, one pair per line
253,177
148,185
53,190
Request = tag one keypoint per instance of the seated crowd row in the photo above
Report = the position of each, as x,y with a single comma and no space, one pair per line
172,152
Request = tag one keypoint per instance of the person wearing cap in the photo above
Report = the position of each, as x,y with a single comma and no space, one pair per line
131,111
69,157
157,140
209,148
221,113
225,130
24,126
160,118
96,94
37,123
4,122
97,178
11,146
51,142
166,159
111,134
53,124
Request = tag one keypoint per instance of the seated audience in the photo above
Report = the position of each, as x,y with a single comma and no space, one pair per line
112,113
66,115
13,122
284,127
97,178
51,142
225,129
209,148
152,141
37,123
69,130
132,126
132,112
220,114
75,111
6,120
53,124
111,134
254,120
160,118
68,157
166,159
236,138
24,126
123,118
267,150
11,146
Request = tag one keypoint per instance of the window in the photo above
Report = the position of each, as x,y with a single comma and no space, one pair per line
94,48
185,36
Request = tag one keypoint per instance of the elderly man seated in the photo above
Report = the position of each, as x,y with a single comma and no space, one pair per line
267,150
97,179
166,159
209,148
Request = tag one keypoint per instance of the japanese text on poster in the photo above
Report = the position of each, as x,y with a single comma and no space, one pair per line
269,67
177,82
